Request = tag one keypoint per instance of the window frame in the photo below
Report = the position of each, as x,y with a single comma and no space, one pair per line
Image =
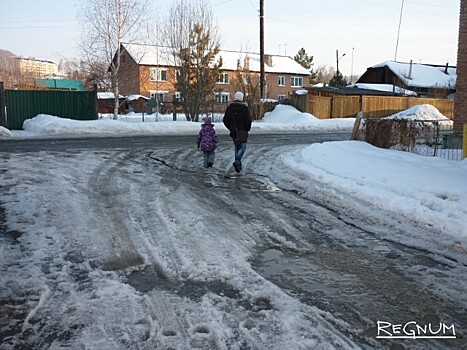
281,78
294,80
156,74
222,97
223,80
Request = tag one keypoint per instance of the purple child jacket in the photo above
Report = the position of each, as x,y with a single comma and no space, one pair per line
207,138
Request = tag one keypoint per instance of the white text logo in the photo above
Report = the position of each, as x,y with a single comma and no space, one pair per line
412,330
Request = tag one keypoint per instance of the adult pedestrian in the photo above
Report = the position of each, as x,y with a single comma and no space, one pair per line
238,120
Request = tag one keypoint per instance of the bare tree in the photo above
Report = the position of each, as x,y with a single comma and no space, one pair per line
324,74
9,72
108,23
190,31
249,83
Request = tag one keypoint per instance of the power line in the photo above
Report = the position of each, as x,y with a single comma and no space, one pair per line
39,21
40,27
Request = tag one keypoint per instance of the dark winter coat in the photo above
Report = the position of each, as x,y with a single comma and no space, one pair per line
237,117
207,138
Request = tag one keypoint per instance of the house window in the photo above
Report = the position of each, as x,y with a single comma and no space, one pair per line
223,78
281,97
159,96
222,97
297,81
281,80
156,74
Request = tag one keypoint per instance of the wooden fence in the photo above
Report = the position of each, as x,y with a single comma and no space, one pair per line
372,106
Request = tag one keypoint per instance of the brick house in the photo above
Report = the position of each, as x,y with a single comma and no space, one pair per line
150,71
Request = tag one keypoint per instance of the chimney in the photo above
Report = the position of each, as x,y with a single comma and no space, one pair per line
268,60
446,69
410,70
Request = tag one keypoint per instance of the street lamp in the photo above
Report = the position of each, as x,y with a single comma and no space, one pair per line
338,59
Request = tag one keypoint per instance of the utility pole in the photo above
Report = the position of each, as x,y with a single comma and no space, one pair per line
261,46
399,31
337,60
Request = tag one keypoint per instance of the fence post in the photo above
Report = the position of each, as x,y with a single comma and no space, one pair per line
464,137
3,121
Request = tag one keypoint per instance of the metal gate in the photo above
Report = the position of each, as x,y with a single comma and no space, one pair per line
26,104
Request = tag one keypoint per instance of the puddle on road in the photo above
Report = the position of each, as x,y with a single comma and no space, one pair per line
152,279
330,282
300,275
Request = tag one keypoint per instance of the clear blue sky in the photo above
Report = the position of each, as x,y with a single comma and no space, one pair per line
365,30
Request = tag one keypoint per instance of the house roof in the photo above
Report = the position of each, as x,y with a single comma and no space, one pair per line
352,90
136,97
107,96
384,87
422,75
152,55
61,84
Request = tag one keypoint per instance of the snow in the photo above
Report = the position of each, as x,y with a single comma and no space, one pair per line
107,96
421,112
135,97
385,87
4,132
427,190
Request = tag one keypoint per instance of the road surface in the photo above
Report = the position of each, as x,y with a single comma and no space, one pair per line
127,243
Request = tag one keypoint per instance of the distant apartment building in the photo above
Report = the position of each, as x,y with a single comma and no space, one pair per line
27,70
36,68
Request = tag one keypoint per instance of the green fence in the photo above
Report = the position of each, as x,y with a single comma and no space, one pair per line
26,104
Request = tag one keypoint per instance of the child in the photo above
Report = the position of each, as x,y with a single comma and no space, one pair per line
207,142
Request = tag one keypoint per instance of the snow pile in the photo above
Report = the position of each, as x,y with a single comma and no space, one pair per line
429,190
283,119
4,132
50,125
420,112
289,115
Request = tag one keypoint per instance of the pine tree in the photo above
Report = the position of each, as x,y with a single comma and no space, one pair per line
306,62
303,59
198,72
338,80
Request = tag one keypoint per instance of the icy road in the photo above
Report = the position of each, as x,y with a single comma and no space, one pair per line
112,244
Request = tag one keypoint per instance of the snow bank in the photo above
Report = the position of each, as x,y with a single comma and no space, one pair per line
4,132
289,115
420,112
